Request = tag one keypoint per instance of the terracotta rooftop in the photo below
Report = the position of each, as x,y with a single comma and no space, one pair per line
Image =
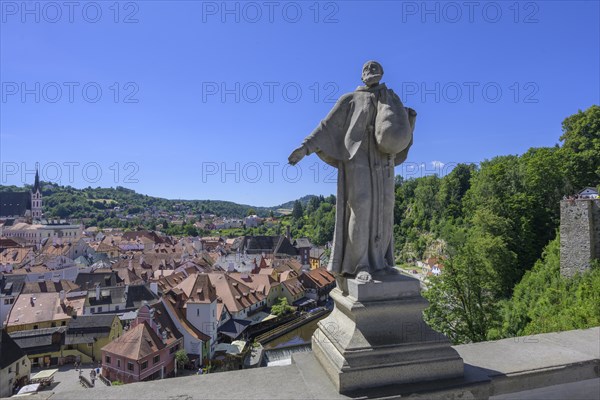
137,343
235,295
42,307
320,276
294,286
259,282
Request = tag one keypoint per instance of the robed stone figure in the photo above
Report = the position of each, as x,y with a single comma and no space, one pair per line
366,134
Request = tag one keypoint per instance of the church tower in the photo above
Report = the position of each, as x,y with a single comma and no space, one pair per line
36,198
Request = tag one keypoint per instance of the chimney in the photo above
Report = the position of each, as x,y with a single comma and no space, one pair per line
62,297
32,300
164,336
97,292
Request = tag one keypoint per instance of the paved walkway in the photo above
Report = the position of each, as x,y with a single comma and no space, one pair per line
67,379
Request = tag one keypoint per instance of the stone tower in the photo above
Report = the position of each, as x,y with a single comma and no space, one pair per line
579,234
36,199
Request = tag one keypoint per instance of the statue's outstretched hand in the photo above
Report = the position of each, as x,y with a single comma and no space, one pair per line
297,155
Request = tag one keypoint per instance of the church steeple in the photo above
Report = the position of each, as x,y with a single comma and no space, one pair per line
36,185
36,198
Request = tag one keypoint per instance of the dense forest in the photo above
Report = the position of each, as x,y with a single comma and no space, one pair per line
497,226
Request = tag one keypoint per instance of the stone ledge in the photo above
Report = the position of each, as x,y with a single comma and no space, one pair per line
528,365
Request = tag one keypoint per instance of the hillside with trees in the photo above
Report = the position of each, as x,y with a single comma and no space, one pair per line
497,226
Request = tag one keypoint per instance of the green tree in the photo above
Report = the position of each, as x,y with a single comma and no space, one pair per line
190,230
181,358
281,307
297,211
581,148
464,298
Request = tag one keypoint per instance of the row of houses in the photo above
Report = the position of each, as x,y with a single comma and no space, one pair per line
188,293
187,310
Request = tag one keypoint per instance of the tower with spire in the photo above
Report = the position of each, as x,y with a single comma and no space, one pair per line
36,198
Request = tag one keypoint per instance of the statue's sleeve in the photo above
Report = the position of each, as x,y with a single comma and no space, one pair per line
412,119
327,140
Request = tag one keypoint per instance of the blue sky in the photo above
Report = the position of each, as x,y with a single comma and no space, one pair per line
205,100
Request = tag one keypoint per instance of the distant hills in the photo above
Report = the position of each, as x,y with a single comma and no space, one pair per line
68,202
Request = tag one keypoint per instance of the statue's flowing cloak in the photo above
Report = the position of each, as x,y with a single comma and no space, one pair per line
345,134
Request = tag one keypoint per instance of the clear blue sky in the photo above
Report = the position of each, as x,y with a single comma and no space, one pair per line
192,89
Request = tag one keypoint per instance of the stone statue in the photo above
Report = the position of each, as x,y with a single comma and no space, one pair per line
366,134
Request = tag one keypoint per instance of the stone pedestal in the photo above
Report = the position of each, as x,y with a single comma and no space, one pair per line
376,337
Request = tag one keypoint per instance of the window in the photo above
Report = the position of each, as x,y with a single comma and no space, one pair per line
99,309
92,310
116,308
63,323
107,359
119,363
197,312
35,327
156,359
130,366
9,370
144,365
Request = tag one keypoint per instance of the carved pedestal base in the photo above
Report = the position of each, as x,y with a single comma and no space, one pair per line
376,336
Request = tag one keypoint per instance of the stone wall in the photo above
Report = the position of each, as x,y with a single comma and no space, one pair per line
596,228
579,235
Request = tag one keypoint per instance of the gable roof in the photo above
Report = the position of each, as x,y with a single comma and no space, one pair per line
163,316
133,296
302,242
588,190
233,328
14,203
49,286
11,352
260,282
15,255
42,307
137,343
36,341
320,277
235,295
11,285
264,244
294,286
95,323
89,280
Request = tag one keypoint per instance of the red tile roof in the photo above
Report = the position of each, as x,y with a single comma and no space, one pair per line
137,343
